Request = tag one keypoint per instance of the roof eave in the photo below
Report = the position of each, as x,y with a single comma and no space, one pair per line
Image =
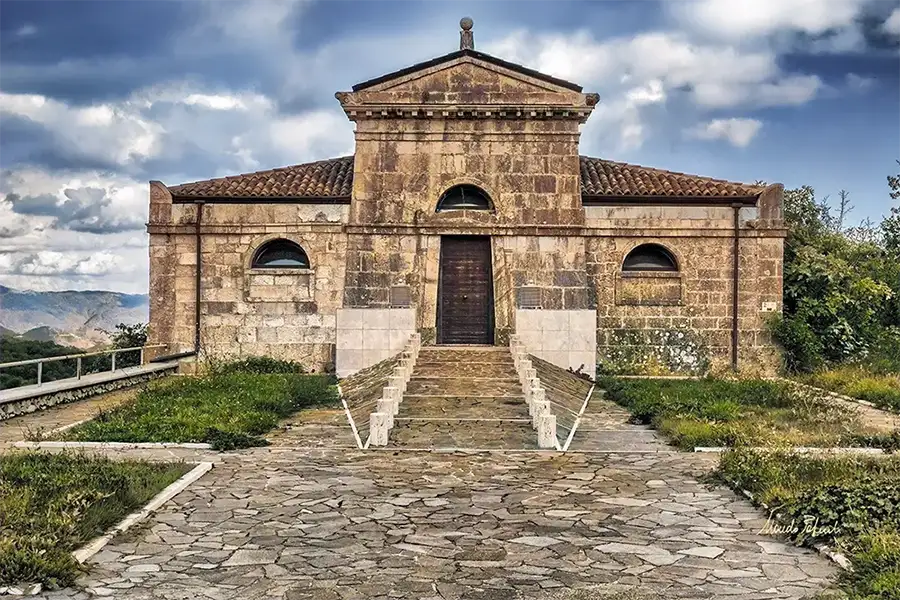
662,200
187,199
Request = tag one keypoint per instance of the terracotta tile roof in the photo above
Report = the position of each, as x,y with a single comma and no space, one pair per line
332,178
607,178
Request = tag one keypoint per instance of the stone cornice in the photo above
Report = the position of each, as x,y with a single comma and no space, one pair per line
437,111
255,229
557,230
467,229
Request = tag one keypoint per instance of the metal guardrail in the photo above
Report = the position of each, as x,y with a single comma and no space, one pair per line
78,358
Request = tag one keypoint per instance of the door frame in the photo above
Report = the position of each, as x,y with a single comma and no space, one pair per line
490,293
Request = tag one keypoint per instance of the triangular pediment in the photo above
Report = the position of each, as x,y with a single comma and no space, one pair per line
466,78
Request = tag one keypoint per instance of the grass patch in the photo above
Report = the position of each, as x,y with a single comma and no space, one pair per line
717,412
229,408
50,504
850,503
881,389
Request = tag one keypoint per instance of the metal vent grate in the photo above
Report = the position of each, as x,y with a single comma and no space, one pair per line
400,296
529,297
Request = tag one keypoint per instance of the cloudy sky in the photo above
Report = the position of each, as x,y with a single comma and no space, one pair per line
97,98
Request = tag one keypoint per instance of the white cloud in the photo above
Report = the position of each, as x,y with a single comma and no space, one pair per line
640,77
737,132
741,19
26,30
114,133
859,83
892,25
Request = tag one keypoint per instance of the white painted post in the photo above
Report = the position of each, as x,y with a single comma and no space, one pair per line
378,430
546,428
537,397
78,368
386,406
541,409
397,382
391,393
40,373
113,362
525,366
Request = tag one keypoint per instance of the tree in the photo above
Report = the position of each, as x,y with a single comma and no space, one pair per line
841,285
129,336
890,226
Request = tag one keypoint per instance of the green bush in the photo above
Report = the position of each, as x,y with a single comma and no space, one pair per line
258,365
51,504
802,349
876,567
225,410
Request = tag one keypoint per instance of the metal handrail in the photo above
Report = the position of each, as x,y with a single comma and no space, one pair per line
40,361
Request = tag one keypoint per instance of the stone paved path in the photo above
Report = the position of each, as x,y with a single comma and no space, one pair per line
18,428
464,397
314,518
290,524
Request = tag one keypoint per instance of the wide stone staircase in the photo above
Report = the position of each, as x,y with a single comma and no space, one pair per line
463,397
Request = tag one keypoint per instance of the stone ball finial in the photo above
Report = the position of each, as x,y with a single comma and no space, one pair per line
466,37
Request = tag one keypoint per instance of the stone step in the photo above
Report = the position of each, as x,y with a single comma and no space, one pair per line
471,370
453,355
449,407
462,387
447,379
452,433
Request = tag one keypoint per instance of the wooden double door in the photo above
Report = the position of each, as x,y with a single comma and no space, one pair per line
465,291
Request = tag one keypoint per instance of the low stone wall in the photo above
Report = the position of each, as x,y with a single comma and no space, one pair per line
538,407
23,406
565,392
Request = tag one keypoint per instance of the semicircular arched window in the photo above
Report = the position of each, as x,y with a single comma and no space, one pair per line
464,197
280,254
650,257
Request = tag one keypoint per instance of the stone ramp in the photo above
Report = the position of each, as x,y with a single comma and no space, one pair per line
605,427
465,397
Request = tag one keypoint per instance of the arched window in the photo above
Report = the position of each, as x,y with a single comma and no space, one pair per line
650,257
280,254
464,197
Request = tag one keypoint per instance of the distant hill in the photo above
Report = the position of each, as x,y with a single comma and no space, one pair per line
73,318
40,334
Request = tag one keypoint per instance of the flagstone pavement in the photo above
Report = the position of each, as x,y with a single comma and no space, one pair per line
339,523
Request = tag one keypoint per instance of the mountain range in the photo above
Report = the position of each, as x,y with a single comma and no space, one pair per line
72,318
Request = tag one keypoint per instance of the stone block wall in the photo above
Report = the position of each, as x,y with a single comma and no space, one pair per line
658,308
284,313
366,336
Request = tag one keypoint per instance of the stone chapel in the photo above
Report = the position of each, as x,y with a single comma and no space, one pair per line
466,213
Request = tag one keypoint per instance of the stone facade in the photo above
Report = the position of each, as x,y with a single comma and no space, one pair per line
559,230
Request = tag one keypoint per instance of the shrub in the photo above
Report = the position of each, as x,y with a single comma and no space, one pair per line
802,348
258,365
52,503
876,567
